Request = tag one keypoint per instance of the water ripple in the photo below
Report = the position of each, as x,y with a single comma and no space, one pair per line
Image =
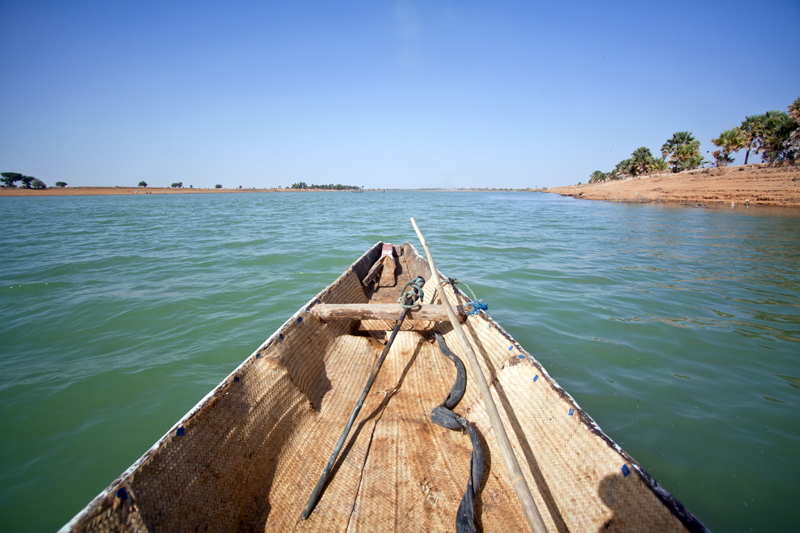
677,329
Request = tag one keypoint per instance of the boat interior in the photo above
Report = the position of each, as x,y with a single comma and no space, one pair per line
248,456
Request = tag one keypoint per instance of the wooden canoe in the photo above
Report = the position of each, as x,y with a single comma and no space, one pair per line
247,457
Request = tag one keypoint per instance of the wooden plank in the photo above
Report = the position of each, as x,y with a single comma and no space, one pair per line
389,267
437,313
370,277
387,274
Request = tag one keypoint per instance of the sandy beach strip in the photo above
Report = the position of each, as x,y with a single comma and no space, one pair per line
740,185
93,191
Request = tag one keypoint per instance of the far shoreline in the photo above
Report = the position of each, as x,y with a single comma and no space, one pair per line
106,191
744,185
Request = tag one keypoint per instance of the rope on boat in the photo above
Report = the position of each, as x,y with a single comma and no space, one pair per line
477,305
414,295
445,417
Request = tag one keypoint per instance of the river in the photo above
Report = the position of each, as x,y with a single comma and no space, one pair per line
677,329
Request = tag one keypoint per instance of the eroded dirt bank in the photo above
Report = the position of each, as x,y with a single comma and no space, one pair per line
747,184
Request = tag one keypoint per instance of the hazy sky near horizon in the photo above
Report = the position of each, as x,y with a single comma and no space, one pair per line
378,94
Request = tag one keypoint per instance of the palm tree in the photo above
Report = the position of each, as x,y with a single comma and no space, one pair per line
597,176
643,162
731,141
778,128
748,129
687,157
659,164
792,144
794,110
623,168
770,134
683,151
678,138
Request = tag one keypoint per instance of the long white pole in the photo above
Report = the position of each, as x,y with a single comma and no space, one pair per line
512,466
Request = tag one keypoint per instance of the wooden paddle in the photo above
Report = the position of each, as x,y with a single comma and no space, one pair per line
512,466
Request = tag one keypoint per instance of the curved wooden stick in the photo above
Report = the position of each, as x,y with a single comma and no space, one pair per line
512,466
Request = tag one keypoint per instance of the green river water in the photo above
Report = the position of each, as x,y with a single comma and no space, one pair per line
677,329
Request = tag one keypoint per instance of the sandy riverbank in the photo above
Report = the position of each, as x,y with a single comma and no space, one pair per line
91,191
747,184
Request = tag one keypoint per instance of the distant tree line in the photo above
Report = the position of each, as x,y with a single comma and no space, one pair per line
10,180
331,187
775,135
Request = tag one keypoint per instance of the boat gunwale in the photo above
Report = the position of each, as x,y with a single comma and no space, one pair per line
670,502
673,504
119,481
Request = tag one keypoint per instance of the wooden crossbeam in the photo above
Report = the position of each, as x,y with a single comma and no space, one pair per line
437,313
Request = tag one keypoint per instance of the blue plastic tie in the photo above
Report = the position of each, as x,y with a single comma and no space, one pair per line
510,347
625,470
179,432
477,307
535,378
236,379
122,494
521,356
299,319
281,336
571,411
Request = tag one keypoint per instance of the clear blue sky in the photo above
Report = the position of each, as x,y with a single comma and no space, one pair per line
379,94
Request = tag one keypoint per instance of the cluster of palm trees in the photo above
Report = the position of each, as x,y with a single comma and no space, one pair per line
775,135
681,152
